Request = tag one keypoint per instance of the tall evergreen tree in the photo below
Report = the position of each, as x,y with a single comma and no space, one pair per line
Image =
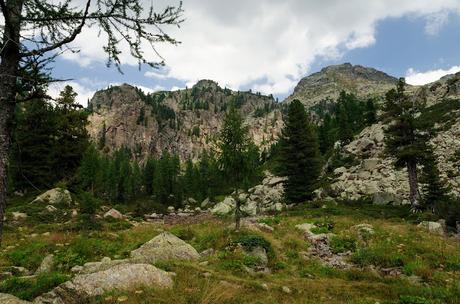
371,112
434,190
236,150
236,155
300,156
89,173
404,139
32,158
72,138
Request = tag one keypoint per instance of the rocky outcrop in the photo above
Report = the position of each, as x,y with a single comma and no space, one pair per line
448,87
126,277
320,248
54,196
163,247
330,81
9,299
375,176
181,122
268,196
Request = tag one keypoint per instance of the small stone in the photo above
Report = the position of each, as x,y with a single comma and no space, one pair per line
207,274
122,299
17,216
264,286
286,289
207,253
51,208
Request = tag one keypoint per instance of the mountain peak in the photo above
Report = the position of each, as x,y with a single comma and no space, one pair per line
206,83
331,80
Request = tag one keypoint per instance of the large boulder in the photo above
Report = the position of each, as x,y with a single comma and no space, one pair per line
114,213
9,299
46,265
224,207
126,277
433,227
54,196
164,247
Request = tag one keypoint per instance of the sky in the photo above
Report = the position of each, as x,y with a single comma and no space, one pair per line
269,45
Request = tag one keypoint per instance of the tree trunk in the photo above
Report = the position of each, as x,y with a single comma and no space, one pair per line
414,194
9,64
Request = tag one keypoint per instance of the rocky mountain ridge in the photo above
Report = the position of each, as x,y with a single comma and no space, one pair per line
327,84
182,122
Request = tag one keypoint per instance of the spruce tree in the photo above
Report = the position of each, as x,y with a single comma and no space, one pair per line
300,156
89,173
434,190
371,112
404,138
32,157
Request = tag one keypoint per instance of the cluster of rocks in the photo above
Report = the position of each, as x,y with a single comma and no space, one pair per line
321,250
96,278
260,199
50,200
374,174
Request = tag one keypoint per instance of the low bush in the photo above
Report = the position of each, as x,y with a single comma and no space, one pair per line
29,255
342,244
27,289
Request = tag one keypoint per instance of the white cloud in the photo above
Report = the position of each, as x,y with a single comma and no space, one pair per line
414,77
268,43
435,22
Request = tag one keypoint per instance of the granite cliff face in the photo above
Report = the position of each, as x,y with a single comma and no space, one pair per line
183,122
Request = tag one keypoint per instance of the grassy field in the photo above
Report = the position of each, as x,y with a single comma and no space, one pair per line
428,265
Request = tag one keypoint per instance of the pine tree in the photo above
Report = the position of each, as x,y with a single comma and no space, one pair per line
236,155
404,139
72,138
434,190
148,174
233,144
32,157
300,156
371,112
90,170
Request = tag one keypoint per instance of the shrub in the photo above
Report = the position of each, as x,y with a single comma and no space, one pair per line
342,244
29,255
84,249
413,300
252,241
28,289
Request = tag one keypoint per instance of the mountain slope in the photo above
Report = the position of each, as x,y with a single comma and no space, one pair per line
330,81
183,122
371,172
